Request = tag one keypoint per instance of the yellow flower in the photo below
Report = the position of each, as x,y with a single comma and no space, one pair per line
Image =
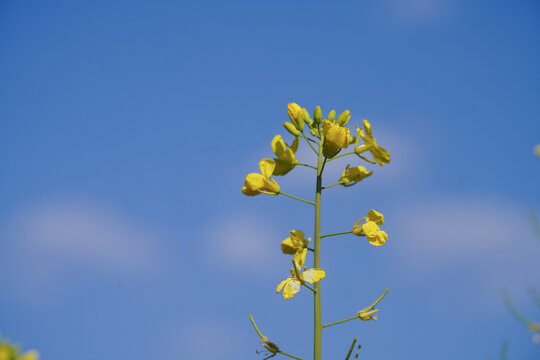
296,115
370,228
351,176
291,285
294,243
285,160
256,184
380,155
335,138
537,150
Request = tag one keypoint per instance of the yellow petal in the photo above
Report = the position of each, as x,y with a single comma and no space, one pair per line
300,258
247,192
367,127
271,186
30,355
278,146
289,246
375,216
380,155
291,289
282,284
267,167
313,275
254,182
294,146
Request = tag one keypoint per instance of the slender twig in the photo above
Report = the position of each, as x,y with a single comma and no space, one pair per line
329,186
256,328
310,288
513,310
341,321
307,165
504,350
338,233
370,307
310,249
297,198
289,355
357,352
337,157
351,349
309,143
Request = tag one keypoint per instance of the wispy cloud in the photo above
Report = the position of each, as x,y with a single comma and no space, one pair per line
240,240
45,243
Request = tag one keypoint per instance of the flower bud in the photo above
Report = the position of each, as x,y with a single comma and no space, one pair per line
296,115
307,118
291,128
344,118
314,132
331,116
317,115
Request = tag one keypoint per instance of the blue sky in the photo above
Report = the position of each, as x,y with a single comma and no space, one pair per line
127,128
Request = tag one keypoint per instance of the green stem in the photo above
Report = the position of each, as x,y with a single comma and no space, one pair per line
309,143
309,287
309,166
351,349
370,307
297,198
508,302
338,233
504,350
317,336
341,321
329,186
337,157
296,271
357,352
256,328
289,355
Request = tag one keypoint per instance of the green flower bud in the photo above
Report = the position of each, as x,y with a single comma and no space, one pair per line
344,118
331,115
291,128
317,115
314,132
307,118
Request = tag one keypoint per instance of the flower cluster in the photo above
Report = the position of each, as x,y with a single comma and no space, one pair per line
327,137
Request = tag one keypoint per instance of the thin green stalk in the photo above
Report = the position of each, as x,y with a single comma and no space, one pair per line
296,198
370,307
357,352
329,186
309,287
307,165
340,321
351,349
338,233
504,350
256,328
317,336
508,302
289,355
337,157
309,143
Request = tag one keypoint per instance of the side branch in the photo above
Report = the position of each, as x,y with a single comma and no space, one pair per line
296,198
360,313
338,233
309,142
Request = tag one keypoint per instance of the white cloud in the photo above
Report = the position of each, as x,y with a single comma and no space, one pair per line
240,241
45,243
